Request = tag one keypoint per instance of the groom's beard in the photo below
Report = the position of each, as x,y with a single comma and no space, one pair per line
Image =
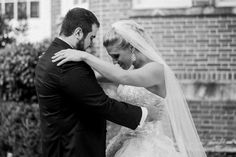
80,45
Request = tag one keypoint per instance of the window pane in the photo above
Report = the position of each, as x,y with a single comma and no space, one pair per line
225,3
34,9
0,8
9,10
76,1
152,4
22,10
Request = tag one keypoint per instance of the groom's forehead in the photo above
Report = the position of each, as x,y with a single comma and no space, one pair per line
94,29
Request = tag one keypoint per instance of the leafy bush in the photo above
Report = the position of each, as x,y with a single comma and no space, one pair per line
19,129
17,64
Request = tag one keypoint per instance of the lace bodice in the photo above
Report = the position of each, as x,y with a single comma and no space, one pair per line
139,96
150,130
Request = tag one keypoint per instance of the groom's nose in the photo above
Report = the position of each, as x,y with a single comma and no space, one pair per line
115,61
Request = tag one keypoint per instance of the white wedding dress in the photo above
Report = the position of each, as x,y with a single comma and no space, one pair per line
174,134
151,140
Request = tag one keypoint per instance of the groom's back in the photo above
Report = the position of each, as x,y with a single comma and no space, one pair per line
63,122
56,115
52,102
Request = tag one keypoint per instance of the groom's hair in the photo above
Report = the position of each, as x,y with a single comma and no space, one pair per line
78,17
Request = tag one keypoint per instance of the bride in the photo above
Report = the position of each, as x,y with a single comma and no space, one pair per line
145,79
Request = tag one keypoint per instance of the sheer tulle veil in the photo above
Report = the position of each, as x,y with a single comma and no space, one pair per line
181,126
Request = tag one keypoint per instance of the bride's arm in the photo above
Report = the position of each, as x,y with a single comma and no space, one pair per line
149,75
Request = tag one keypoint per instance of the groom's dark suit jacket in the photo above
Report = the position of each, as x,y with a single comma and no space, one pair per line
74,108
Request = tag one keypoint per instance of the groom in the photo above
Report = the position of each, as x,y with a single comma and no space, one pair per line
73,107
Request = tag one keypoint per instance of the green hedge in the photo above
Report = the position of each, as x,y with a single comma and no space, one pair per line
19,129
17,64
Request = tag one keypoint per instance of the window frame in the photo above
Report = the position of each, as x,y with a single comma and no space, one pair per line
165,4
1,10
15,13
225,3
13,9
38,12
18,11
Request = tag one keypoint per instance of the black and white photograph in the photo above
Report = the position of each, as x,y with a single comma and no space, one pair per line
117,78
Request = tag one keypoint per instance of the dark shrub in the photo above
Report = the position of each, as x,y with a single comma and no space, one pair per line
19,129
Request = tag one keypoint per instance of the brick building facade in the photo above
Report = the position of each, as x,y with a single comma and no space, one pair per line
199,43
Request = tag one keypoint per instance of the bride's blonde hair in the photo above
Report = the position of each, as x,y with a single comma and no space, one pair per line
112,38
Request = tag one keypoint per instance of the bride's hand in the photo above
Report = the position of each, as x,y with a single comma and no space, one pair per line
68,55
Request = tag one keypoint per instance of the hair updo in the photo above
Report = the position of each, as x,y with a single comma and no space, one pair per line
111,38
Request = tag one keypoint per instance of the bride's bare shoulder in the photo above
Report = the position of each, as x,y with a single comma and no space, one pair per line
155,67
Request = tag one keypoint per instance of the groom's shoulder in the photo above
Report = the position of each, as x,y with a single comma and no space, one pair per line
78,71
68,67
75,66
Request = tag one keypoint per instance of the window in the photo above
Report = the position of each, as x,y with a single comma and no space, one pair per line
225,3
152,4
84,4
0,8
80,1
76,1
22,11
34,9
23,8
9,10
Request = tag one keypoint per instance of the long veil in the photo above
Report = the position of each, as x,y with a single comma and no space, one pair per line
182,128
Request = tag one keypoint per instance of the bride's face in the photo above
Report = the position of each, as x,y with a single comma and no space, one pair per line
120,56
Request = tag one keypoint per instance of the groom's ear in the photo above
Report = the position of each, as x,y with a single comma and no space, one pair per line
78,33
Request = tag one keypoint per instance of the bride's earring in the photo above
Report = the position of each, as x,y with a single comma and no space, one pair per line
133,57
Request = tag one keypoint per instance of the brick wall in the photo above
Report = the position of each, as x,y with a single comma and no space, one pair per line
215,120
200,47
196,47
107,12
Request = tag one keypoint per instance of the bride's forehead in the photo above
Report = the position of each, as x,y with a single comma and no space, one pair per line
112,49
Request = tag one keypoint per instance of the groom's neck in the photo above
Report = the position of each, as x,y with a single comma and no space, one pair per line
68,40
